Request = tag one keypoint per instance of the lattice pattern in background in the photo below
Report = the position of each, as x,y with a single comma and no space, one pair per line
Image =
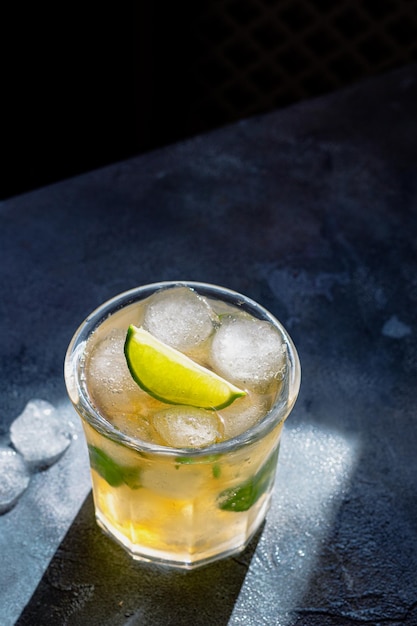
251,56
154,72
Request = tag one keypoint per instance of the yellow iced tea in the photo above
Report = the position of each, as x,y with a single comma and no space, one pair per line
177,484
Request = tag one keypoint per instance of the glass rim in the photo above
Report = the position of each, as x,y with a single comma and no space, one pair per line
276,414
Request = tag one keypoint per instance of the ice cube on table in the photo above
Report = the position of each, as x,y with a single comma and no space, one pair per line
179,317
14,478
248,352
110,384
40,434
187,427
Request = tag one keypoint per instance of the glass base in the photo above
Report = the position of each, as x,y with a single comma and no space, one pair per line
185,560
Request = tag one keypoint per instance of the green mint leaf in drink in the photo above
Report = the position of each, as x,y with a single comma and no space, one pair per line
245,495
114,474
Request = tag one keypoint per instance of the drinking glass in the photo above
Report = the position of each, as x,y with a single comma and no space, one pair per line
182,507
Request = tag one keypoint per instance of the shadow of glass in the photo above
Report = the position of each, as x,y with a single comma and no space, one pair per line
91,580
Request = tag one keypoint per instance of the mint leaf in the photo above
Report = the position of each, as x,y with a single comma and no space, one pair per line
188,460
244,496
114,474
216,470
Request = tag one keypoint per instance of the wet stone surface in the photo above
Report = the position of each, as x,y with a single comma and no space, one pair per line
311,211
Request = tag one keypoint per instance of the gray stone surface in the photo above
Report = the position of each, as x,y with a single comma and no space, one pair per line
312,211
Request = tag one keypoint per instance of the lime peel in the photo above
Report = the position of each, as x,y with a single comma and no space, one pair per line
172,377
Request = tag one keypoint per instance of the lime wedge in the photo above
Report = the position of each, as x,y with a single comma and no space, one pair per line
171,376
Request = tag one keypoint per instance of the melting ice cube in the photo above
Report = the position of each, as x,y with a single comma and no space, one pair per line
187,427
133,425
248,352
179,317
240,416
110,383
14,478
40,434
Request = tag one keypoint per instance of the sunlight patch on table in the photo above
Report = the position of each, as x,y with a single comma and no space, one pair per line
313,478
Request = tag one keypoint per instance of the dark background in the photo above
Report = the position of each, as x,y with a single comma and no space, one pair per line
85,86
